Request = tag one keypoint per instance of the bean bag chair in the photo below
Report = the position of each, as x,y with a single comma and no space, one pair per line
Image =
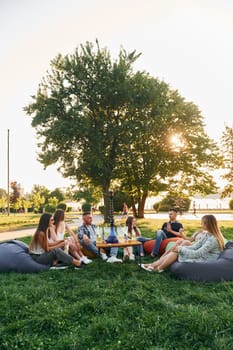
149,245
14,256
207,271
88,253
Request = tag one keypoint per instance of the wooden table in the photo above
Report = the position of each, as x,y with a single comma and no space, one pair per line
120,244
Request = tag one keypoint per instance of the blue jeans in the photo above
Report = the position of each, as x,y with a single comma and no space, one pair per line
92,248
160,236
142,240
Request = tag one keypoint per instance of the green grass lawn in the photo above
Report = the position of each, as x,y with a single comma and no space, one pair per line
114,306
21,221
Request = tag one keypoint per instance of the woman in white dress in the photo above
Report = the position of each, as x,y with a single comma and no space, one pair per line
73,246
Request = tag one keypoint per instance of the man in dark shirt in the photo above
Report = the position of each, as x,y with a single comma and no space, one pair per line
170,229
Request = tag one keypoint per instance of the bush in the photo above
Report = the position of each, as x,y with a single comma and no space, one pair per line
49,209
231,204
86,207
62,205
179,202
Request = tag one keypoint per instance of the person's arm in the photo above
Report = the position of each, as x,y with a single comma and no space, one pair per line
53,234
203,248
80,233
83,236
175,233
138,232
72,234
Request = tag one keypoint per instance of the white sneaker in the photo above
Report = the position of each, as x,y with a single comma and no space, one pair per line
104,256
114,259
58,267
85,260
132,257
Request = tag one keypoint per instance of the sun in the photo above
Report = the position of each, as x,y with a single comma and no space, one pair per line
176,142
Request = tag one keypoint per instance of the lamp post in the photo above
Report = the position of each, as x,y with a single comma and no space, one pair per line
8,172
112,238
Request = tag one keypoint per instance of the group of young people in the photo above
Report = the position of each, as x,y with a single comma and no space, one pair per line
49,245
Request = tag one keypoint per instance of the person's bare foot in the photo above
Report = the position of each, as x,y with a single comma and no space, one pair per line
153,255
77,263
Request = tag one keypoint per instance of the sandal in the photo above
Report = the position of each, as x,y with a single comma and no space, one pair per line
148,268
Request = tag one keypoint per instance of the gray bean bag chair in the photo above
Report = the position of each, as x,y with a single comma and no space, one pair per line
207,271
14,256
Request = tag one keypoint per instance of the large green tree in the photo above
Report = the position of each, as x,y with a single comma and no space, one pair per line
79,113
101,121
227,148
167,147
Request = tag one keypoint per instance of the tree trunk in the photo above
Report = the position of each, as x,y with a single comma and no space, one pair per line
141,205
134,207
105,190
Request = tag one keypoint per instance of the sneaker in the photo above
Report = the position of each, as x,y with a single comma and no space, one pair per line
58,267
132,257
148,268
114,259
104,256
85,260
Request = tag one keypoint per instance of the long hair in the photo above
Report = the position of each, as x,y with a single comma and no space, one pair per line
59,215
42,227
212,227
128,223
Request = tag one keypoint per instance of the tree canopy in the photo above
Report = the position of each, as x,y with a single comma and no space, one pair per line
227,147
101,121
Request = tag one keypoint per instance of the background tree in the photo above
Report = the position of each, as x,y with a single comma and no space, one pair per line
166,146
101,121
37,200
25,204
3,193
119,198
227,148
79,112
42,192
3,203
3,199
52,205
58,193
91,194
15,195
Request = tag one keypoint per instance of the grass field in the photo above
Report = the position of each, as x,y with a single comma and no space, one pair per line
114,306
21,221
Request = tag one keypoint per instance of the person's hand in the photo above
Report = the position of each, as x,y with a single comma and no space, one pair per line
176,249
86,239
181,231
169,228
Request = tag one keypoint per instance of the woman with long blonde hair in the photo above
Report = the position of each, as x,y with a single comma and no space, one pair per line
206,248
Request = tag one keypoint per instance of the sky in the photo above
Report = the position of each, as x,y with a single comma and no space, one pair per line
186,43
